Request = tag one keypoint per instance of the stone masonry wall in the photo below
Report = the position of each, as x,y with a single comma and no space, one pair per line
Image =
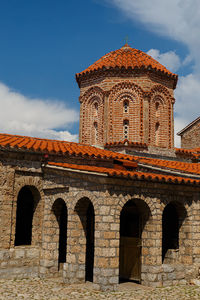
19,262
108,197
191,137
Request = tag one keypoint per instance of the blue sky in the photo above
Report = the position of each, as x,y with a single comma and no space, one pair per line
45,42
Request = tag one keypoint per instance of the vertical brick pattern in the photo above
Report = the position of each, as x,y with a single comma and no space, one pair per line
90,115
142,91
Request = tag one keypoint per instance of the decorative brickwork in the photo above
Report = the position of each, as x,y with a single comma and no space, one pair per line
90,214
148,98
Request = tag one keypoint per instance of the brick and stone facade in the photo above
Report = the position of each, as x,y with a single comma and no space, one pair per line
190,135
55,189
73,210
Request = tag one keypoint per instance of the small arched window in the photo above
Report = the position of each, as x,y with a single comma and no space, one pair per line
126,129
126,105
95,132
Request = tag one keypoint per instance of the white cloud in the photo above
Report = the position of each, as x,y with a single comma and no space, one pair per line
169,59
34,117
178,20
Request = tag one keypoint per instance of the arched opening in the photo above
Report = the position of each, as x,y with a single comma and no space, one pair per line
24,217
60,211
172,220
89,264
133,218
85,211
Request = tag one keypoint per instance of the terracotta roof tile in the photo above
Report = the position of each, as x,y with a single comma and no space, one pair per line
128,174
56,147
46,146
126,57
168,164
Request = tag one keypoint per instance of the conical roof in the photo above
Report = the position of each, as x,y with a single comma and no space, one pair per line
128,58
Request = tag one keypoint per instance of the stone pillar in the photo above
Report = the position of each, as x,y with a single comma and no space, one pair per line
50,236
106,263
74,268
7,215
151,268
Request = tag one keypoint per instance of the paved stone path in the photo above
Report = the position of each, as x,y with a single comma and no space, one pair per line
53,289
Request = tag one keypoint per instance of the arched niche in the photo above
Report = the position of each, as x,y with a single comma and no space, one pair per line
28,217
174,232
59,211
134,219
86,225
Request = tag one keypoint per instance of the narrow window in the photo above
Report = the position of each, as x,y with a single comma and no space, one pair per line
96,109
126,104
157,134
95,132
126,129
24,217
157,108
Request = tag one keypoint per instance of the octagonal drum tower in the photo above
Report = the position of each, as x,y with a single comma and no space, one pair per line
127,97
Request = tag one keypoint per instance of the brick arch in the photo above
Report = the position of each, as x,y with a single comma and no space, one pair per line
83,213
148,201
160,89
63,196
134,95
178,200
29,181
91,92
91,134
36,188
178,215
164,118
85,194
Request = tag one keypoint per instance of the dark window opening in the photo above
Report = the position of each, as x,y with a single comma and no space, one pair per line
60,211
126,105
129,221
63,235
170,229
24,217
89,243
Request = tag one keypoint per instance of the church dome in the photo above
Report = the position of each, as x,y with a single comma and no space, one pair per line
126,58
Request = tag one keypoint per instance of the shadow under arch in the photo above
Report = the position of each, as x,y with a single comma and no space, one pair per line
27,202
59,209
134,217
173,218
85,210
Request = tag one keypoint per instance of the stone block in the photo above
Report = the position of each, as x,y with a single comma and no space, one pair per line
113,280
168,268
151,277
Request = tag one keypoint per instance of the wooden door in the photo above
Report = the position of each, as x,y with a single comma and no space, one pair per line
130,258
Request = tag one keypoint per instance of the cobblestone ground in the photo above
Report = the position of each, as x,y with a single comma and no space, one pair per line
53,289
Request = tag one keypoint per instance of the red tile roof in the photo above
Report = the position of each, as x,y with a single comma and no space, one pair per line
47,146
17,142
128,174
170,164
127,57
